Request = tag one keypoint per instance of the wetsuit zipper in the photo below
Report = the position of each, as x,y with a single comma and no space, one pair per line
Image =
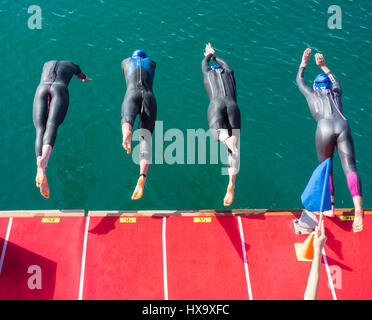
139,82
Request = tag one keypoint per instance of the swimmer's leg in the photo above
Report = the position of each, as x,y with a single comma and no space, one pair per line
233,124
220,133
57,113
233,169
138,191
325,140
126,130
230,141
346,152
145,159
129,110
40,116
147,124
233,162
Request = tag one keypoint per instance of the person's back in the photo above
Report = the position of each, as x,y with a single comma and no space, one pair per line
139,100
138,73
60,72
332,130
223,112
325,103
50,106
219,81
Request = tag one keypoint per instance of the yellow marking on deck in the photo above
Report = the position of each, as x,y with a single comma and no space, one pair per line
128,220
346,218
50,220
202,219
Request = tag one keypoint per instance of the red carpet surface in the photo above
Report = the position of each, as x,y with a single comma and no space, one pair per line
176,255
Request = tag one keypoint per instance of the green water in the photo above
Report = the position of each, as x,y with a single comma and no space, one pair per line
263,41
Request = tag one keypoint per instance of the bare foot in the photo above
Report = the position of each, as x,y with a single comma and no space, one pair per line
358,220
40,173
229,197
39,178
138,191
127,141
230,142
44,187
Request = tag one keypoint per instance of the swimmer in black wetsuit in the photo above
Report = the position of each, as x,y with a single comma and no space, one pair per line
223,112
332,129
49,110
139,73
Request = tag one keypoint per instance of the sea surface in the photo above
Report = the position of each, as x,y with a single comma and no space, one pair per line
263,41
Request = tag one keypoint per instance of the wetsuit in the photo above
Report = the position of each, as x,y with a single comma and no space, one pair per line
51,100
223,111
139,98
332,128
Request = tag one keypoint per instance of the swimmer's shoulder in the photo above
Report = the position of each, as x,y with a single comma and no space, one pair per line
50,62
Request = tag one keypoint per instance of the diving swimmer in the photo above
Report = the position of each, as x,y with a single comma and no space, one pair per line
324,101
139,71
223,112
49,110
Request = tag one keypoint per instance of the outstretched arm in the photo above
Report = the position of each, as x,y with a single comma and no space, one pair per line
314,275
305,89
223,63
80,74
205,63
86,79
320,61
208,55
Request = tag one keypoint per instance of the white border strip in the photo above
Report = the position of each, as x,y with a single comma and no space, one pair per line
5,243
330,281
245,259
82,271
165,259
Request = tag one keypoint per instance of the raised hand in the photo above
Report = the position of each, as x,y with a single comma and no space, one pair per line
305,57
319,60
208,49
319,237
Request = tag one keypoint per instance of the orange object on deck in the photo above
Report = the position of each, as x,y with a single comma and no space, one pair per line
305,251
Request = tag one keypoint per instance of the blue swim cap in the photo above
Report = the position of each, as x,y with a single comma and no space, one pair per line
216,66
322,81
139,54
